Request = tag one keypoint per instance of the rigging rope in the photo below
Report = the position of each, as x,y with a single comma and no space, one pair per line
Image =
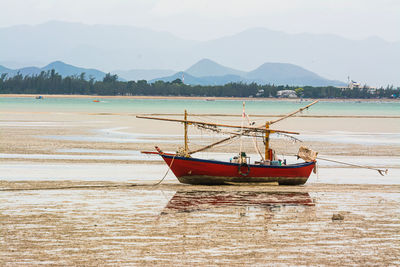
255,140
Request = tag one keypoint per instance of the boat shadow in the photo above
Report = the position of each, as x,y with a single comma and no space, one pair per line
190,201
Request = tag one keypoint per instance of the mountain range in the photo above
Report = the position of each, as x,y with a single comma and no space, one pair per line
373,60
208,72
141,74
60,67
204,72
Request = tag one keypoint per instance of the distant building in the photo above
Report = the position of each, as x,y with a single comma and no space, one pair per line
286,94
260,92
356,85
351,85
372,90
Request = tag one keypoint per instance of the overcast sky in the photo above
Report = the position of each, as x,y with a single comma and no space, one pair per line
208,19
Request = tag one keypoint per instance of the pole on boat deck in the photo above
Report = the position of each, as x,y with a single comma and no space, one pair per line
186,130
267,157
293,113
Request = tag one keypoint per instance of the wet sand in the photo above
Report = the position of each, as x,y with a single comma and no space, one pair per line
74,191
174,224
48,132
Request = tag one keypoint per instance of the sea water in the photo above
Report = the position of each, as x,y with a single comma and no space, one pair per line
199,106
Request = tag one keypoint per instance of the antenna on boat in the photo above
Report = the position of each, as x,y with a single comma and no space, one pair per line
241,129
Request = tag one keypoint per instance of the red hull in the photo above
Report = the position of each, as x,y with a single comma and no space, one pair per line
199,171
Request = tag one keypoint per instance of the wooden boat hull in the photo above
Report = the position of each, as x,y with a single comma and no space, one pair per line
211,172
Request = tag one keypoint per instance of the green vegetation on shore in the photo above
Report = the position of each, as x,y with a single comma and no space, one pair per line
51,82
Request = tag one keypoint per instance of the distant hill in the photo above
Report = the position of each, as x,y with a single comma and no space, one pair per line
68,70
267,73
188,79
28,71
287,74
23,71
372,60
139,74
204,72
205,80
207,67
4,69
60,67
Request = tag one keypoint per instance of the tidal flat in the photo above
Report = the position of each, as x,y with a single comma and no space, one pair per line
75,189
75,223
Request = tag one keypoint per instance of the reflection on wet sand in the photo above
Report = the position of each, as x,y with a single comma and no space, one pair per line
188,201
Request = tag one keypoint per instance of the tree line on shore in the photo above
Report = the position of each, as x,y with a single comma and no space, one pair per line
51,82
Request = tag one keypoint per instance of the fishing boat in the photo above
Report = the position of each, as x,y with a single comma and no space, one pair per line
239,169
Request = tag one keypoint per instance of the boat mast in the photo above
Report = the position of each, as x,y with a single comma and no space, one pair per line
186,132
267,157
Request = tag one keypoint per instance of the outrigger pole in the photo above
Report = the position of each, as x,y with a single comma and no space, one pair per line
268,132
293,113
245,128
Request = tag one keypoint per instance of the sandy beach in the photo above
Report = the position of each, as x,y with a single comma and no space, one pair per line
75,190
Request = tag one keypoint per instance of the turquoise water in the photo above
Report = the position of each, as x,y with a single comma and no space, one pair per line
140,106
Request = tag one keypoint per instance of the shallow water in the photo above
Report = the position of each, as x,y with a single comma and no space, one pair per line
139,173
151,173
135,155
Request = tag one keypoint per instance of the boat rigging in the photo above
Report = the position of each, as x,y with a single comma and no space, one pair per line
192,170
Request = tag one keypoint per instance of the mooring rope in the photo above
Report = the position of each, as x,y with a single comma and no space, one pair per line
165,175
381,171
